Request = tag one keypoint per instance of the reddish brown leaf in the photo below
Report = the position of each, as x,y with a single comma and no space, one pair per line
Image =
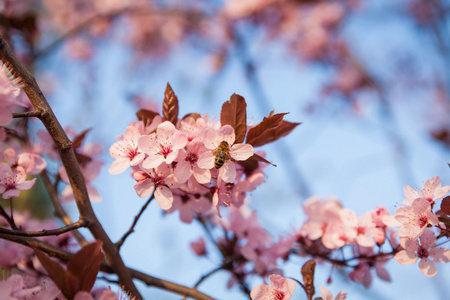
234,113
251,164
308,276
170,105
269,130
195,116
445,205
260,158
146,116
78,140
85,264
56,273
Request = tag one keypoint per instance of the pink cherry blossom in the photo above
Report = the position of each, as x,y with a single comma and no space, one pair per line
425,250
199,247
11,181
212,140
193,127
90,172
319,214
326,294
280,289
162,146
189,202
159,180
223,195
431,191
187,164
126,151
415,219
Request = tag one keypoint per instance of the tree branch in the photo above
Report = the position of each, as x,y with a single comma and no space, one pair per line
45,232
104,267
131,230
76,178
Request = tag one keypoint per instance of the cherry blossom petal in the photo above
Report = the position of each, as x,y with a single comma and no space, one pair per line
427,239
165,131
210,138
405,257
227,134
365,241
228,172
11,194
137,159
26,185
410,194
440,255
261,291
93,193
341,296
148,144
153,161
119,165
206,160
164,197
179,140
182,171
420,205
201,175
325,293
382,273
186,215
428,267
144,188
241,151
67,195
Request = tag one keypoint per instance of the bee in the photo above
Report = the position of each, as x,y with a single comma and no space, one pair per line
222,154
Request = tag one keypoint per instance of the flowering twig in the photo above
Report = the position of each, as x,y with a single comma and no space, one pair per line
67,154
131,230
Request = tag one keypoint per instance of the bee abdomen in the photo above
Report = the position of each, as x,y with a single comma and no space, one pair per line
220,159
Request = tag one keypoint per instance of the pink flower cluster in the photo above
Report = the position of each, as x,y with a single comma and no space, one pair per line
13,172
414,220
86,154
19,287
330,227
179,164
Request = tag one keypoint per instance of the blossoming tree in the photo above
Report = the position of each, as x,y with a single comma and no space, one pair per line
197,166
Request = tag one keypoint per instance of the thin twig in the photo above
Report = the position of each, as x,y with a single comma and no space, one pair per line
44,232
8,219
207,275
59,212
27,114
136,219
